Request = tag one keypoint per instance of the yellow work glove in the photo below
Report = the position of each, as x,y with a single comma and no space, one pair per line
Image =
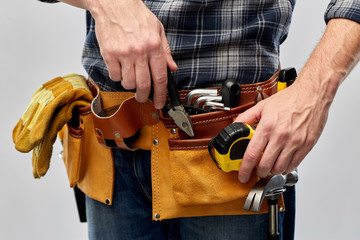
49,110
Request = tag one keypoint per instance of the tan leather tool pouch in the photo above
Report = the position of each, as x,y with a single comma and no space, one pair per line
193,171
185,180
89,165
73,144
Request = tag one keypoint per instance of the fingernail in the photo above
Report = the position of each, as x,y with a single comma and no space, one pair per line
159,105
243,179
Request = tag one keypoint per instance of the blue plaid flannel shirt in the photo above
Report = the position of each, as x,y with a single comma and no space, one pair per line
215,40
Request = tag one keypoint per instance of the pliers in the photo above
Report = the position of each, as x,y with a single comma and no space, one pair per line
176,109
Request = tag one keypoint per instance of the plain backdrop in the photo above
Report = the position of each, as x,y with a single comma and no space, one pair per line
41,41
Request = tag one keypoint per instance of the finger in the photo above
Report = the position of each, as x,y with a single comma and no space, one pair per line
252,115
166,48
252,154
143,81
114,69
268,159
158,68
128,76
283,161
296,160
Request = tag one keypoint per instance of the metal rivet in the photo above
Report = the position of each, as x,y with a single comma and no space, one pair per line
173,131
117,135
157,216
156,142
154,115
108,202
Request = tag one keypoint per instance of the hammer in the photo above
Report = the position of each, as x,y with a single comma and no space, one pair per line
271,189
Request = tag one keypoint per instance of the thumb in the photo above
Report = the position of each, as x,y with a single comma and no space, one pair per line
252,115
165,45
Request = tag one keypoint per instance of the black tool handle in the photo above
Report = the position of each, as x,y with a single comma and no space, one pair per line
173,92
230,92
287,75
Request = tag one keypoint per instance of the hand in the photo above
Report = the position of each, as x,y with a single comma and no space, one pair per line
291,121
289,124
133,44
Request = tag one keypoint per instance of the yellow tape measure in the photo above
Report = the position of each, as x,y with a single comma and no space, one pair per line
230,145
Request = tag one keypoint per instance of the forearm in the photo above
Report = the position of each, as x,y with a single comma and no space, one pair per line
333,59
291,121
76,3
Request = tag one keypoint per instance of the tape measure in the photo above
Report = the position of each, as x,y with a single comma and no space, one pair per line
286,77
230,145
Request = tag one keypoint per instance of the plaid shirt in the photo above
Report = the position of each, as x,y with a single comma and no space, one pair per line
215,40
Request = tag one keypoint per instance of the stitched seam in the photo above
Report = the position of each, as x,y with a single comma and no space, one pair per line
262,85
157,170
116,93
183,148
216,119
208,120
262,88
153,171
116,97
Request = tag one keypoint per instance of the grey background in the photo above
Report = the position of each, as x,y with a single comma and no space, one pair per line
39,42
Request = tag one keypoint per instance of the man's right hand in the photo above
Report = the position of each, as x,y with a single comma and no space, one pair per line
133,44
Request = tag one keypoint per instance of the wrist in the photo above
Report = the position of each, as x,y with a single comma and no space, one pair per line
332,60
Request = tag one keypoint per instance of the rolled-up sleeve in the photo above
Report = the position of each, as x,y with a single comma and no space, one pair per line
349,9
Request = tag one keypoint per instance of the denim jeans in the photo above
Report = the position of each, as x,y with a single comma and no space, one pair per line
130,216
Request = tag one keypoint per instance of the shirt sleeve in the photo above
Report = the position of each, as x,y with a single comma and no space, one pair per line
349,9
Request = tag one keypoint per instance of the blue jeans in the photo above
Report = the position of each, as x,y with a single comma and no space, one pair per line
130,216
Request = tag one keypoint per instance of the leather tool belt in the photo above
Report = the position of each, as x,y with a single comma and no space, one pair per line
185,180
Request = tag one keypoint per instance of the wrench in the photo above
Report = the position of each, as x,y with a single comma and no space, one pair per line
201,100
198,93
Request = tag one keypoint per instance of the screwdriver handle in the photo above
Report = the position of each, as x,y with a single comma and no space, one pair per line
286,77
230,92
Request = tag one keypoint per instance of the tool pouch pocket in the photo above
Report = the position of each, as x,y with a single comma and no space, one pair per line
89,165
73,143
197,180
185,180
195,177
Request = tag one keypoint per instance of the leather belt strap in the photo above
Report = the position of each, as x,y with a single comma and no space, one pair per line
249,96
118,116
249,92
